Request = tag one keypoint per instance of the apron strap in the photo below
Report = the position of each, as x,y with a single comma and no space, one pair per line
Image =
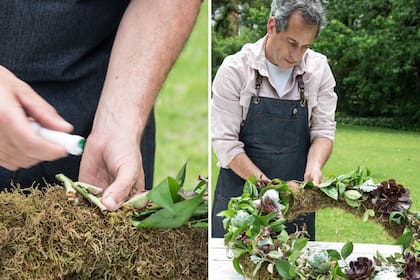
301,88
258,82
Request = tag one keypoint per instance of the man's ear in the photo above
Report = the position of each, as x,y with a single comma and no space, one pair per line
271,26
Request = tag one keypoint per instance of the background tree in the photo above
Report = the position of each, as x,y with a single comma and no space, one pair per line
373,48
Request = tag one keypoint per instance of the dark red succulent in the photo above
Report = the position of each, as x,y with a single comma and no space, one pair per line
390,196
412,268
362,268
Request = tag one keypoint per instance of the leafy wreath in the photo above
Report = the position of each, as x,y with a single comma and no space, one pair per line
256,237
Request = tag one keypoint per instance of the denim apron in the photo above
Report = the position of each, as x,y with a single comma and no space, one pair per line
61,49
276,138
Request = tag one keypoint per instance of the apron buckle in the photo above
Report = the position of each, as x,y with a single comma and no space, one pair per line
302,100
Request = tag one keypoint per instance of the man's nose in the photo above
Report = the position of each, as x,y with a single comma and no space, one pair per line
296,54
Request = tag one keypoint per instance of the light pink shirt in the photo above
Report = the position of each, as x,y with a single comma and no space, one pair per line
234,85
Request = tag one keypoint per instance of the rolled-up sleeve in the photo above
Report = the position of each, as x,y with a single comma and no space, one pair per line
226,113
322,122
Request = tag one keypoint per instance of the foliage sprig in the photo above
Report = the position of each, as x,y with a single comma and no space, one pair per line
256,232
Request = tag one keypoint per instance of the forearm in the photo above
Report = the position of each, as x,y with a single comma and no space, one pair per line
245,168
149,39
318,154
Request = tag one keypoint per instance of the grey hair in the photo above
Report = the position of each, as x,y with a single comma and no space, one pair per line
311,10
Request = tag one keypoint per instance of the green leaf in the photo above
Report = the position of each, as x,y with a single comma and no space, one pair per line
283,268
270,268
308,184
202,209
180,178
352,194
162,194
201,183
331,192
368,213
292,272
257,268
396,217
226,213
352,203
339,272
238,252
294,256
405,239
237,266
264,220
165,218
299,244
275,254
285,201
138,201
341,188
334,254
347,250
199,224
277,225
283,236
416,246
327,183
250,188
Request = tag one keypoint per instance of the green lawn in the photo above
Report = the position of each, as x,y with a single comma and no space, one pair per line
388,154
181,110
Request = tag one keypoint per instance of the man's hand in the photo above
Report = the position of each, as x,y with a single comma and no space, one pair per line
140,59
113,163
319,152
20,146
243,166
314,175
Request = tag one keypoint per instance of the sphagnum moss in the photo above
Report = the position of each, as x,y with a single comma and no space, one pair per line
45,236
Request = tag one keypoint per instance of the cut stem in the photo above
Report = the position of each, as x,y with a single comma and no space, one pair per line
90,188
68,183
138,201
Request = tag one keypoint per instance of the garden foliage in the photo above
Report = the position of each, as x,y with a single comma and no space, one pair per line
372,46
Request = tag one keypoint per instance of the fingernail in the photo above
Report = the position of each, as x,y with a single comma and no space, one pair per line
110,203
66,124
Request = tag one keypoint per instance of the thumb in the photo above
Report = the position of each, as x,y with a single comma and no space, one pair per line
120,189
40,110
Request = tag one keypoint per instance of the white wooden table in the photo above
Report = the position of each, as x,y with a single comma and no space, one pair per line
220,267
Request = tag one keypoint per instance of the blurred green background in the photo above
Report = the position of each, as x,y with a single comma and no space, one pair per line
181,110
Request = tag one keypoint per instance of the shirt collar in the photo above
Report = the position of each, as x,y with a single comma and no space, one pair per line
255,58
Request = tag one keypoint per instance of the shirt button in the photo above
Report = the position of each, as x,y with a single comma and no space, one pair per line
295,110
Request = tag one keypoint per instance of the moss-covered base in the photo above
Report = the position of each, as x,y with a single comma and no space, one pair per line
45,236
312,199
248,268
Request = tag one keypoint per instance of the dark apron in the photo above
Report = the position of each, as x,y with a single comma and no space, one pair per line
276,138
61,49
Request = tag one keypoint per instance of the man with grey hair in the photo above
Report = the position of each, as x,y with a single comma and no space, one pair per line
272,110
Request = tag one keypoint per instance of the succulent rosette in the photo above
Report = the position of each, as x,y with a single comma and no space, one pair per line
412,268
270,203
390,196
360,269
387,274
